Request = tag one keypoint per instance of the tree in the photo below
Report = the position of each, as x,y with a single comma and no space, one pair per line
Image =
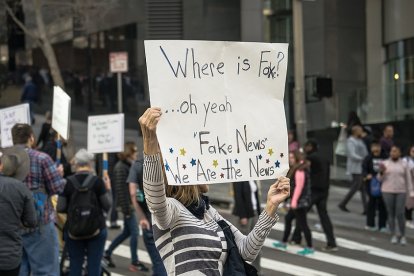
83,12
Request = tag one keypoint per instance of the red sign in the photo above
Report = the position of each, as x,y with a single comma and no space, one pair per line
118,62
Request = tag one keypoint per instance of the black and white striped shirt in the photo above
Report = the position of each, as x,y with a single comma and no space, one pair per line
187,245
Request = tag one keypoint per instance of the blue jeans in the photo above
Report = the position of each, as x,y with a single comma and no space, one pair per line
91,248
130,230
40,252
158,268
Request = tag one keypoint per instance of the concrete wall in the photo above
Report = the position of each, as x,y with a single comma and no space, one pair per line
334,42
398,20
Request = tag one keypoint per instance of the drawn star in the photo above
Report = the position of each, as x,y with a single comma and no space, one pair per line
277,164
222,175
236,161
167,167
184,166
267,161
215,163
270,152
260,157
193,162
171,150
182,152
281,155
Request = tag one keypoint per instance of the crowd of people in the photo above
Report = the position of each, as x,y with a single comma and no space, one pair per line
384,175
38,182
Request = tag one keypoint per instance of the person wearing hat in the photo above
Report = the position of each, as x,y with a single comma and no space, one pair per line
17,208
40,244
84,245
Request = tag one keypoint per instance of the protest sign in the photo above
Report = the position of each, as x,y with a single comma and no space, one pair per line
61,112
106,133
8,118
223,115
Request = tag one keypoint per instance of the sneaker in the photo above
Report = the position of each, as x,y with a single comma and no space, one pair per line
280,245
343,208
137,266
403,241
329,248
115,226
108,261
410,224
394,240
384,230
369,228
306,251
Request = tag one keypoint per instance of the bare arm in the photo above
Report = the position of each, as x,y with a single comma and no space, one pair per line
144,223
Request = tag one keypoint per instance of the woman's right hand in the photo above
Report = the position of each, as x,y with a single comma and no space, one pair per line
149,121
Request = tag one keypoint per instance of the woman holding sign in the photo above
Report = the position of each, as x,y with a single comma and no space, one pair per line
191,235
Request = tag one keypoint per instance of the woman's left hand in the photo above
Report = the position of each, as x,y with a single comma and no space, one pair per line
278,192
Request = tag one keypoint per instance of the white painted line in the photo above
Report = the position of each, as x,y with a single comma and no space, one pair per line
123,251
345,243
344,262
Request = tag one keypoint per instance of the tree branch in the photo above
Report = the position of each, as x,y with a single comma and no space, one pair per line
20,23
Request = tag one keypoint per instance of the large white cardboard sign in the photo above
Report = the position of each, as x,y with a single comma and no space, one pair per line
223,115
106,133
61,112
8,118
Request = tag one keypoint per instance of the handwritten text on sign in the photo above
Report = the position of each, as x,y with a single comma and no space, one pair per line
8,118
106,133
223,114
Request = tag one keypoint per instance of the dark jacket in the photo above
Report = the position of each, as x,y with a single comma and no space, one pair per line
16,208
29,93
243,207
319,172
121,187
51,149
371,165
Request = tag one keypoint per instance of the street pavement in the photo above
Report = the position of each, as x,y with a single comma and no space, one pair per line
360,252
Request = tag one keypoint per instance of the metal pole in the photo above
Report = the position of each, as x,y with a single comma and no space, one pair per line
119,92
299,93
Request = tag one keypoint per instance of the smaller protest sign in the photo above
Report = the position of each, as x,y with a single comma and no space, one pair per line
61,112
106,133
8,118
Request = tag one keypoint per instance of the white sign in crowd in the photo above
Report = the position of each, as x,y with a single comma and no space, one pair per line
223,115
8,118
61,112
106,133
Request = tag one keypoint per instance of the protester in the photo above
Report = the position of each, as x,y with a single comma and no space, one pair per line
410,201
40,244
85,199
181,213
299,203
387,140
17,208
247,208
112,160
319,183
30,96
136,190
293,144
356,152
130,230
44,135
370,170
396,186
50,148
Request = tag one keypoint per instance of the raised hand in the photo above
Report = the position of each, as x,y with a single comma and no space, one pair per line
278,192
149,121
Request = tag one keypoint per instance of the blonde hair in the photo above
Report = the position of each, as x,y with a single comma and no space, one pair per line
129,149
187,194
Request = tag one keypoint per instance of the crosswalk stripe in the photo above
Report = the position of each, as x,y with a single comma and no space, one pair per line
349,244
343,261
124,251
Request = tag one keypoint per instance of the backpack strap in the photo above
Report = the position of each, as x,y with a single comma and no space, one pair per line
86,184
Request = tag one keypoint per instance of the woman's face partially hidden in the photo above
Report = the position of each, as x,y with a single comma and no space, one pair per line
203,188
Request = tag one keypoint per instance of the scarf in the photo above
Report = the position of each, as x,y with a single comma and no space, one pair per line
198,209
